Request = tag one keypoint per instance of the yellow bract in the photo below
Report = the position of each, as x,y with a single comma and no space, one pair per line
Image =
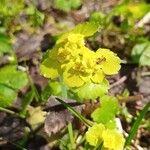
77,64
76,38
108,61
111,138
94,134
79,70
49,69
97,76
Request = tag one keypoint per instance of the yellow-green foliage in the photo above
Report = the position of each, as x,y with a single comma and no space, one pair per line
11,7
111,138
76,64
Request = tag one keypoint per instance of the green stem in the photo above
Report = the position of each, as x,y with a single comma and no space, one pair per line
36,94
7,111
99,146
63,88
77,114
26,102
70,130
137,124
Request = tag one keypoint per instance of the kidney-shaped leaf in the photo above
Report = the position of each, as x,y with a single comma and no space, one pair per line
141,53
7,96
12,77
92,90
107,110
11,80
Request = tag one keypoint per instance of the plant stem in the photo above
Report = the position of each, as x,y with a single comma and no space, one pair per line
99,146
7,111
137,124
70,130
36,94
26,102
63,88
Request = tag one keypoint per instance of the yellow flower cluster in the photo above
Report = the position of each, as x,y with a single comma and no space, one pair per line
111,138
77,64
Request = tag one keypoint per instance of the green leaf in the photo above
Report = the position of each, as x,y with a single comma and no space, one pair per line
141,53
5,46
26,102
11,7
111,124
75,4
107,110
131,10
48,68
87,29
10,76
92,90
137,51
53,88
11,80
67,5
145,58
97,17
7,96
139,10
37,17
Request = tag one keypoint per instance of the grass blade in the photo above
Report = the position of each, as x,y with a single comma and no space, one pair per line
137,124
77,114
71,136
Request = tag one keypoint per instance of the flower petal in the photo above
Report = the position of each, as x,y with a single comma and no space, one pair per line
94,134
98,76
72,80
113,139
48,68
111,63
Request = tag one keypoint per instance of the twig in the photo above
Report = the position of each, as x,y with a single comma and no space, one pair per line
121,80
131,98
145,74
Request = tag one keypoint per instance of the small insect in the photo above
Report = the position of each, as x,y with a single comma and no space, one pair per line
100,60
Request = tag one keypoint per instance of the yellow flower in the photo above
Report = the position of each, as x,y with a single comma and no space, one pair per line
79,70
64,54
94,134
113,140
108,61
98,76
76,38
70,48
71,38
77,64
